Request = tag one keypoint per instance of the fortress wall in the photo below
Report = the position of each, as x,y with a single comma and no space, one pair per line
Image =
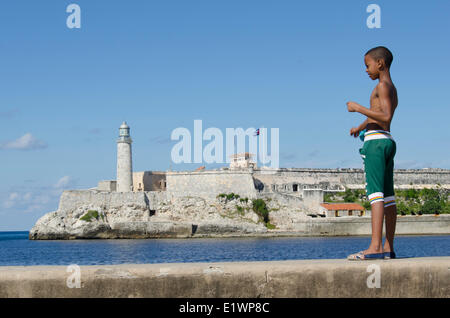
155,198
308,203
209,184
422,178
284,199
331,179
350,225
312,199
72,199
327,179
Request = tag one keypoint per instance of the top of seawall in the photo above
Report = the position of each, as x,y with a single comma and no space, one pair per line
409,277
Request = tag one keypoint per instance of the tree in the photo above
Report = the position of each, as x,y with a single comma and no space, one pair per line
402,208
431,207
429,195
349,196
412,194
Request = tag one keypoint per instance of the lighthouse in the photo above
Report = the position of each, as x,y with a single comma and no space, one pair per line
124,165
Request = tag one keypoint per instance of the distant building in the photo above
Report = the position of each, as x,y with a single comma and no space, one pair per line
342,209
149,181
242,160
107,185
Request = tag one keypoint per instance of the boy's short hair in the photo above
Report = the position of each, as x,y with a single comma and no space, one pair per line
381,52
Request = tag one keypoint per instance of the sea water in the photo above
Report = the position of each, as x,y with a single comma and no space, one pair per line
17,249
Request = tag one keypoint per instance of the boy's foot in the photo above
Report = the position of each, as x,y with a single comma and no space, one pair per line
389,255
360,256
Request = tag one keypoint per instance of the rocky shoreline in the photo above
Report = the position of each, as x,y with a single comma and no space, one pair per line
88,214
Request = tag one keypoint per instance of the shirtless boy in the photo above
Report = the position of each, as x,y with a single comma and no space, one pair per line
378,153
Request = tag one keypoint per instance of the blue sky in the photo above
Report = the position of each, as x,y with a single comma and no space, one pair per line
160,65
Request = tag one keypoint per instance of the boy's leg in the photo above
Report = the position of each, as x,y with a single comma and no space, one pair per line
390,208
391,220
377,228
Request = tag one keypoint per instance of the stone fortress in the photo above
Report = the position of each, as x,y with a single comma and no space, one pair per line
187,203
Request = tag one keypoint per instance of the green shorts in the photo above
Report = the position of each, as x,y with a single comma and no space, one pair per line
378,154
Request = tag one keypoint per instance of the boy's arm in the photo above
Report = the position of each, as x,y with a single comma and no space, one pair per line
385,115
355,130
363,125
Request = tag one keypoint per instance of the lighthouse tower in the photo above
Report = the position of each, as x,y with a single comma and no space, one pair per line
124,166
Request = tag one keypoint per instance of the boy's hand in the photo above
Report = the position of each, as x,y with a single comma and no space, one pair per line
354,132
352,106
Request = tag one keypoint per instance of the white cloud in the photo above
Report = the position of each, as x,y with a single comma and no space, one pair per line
37,199
65,182
26,142
13,196
12,200
27,196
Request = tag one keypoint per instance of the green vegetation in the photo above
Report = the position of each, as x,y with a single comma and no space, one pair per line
91,214
270,226
424,201
349,196
328,197
366,205
231,196
260,208
409,201
431,207
258,205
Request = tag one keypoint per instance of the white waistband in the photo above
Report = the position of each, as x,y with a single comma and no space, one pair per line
377,134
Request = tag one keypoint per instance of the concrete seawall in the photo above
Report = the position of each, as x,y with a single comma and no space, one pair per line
343,226
409,277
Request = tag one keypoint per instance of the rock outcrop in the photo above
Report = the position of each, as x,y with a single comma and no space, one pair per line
90,214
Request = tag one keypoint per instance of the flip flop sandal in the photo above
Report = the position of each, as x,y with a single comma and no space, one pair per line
389,255
356,256
360,256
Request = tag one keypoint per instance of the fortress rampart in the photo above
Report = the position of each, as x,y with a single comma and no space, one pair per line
210,183
284,180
